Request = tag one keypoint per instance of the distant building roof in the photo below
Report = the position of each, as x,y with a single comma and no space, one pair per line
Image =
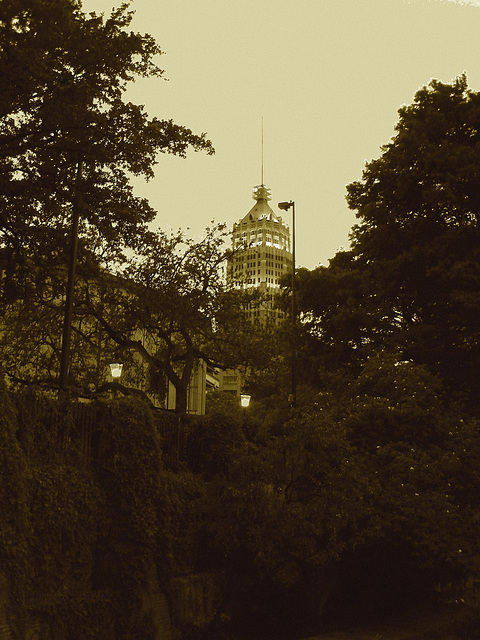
261,209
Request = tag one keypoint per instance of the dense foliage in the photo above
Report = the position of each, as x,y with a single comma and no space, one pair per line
359,503
169,308
70,143
68,137
166,309
410,281
83,520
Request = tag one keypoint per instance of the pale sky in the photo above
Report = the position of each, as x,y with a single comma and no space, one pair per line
327,76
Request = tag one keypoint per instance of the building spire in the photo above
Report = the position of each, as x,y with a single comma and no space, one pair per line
263,183
261,192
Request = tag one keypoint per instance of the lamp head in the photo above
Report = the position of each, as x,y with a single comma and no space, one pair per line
285,206
244,400
116,369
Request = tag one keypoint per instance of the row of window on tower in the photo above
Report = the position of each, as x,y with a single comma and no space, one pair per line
250,267
252,256
259,236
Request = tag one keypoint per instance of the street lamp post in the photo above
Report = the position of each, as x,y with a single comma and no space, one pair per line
67,320
285,206
116,373
245,403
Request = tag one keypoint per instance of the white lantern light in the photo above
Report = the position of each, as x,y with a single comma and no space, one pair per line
116,369
244,400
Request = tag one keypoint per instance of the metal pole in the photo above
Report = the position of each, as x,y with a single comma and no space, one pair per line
67,320
294,315
285,206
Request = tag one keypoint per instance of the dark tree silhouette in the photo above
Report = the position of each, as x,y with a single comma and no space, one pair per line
411,280
69,144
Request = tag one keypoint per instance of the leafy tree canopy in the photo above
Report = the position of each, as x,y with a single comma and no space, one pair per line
411,280
69,145
66,133
170,305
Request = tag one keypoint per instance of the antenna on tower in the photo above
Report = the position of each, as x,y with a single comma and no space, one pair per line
261,192
262,153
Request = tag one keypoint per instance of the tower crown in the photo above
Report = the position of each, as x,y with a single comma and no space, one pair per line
261,209
261,192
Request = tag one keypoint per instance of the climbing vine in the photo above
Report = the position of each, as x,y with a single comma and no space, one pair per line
79,535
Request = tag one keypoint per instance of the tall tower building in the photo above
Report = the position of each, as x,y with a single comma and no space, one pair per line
261,256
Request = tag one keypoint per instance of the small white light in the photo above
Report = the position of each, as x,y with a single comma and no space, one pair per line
244,400
116,369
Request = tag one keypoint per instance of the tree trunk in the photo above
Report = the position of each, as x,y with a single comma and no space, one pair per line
181,399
